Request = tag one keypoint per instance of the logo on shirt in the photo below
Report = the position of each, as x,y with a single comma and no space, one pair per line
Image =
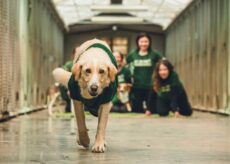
143,63
121,78
165,89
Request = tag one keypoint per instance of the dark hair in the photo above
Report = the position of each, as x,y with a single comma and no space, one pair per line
141,35
121,55
156,77
74,51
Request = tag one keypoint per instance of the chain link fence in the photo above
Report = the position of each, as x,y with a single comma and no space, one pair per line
31,45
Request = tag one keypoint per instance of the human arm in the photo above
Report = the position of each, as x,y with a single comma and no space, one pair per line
176,87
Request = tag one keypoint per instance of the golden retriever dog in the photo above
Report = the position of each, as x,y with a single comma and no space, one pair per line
92,84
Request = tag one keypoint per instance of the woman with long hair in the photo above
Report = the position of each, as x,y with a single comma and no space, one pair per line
171,95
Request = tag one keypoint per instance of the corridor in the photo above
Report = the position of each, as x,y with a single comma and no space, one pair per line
193,36
131,138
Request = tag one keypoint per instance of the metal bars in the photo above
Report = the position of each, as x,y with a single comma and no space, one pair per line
197,45
31,45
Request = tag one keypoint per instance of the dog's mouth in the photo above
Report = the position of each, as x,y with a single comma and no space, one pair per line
93,93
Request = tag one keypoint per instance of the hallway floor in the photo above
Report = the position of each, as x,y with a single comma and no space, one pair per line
131,138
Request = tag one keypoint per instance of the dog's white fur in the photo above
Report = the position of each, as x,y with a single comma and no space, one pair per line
124,88
92,67
52,95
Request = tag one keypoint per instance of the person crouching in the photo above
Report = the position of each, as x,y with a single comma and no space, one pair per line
121,101
171,95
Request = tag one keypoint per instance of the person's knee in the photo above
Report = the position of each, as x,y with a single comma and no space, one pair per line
163,113
187,113
162,107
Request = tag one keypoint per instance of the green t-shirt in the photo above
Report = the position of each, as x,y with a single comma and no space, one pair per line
143,68
68,66
170,86
124,76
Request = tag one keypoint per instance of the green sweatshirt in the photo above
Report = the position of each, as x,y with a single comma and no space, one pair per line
68,66
124,76
143,68
170,90
91,104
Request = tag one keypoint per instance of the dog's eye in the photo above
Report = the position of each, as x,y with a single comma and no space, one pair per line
88,70
101,71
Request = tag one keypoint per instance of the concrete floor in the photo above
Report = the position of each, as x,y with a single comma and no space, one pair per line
204,138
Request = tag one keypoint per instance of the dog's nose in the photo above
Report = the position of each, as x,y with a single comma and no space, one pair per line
94,88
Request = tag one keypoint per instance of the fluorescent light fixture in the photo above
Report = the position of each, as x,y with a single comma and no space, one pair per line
118,8
116,19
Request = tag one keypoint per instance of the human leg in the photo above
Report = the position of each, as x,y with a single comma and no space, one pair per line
138,100
163,107
152,102
184,105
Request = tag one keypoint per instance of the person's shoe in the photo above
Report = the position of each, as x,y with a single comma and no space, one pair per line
148,113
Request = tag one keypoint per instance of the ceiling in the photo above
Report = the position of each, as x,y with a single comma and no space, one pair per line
158,12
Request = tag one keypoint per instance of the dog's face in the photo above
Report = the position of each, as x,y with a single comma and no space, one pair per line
124,87
123,92
93,76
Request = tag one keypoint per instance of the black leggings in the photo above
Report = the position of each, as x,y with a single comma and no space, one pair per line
164,105
140,96
152,102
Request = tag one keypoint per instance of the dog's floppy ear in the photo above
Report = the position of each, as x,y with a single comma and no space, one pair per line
76,70
112,72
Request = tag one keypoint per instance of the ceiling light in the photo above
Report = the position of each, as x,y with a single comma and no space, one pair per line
116,19
118,8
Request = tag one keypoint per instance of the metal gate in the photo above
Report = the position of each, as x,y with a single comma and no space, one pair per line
196,43
31,45
9,55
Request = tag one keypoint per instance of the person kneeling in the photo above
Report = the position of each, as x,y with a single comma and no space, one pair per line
121,101
171,95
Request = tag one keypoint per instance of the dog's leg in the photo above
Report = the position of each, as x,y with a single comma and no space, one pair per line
83,138
61,76
52,102
128,107
99,146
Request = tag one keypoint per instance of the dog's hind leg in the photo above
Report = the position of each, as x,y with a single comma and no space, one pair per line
99,146
83,138
61,76
52,102
128,107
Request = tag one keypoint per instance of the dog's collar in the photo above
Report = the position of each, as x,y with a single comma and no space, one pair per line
103,47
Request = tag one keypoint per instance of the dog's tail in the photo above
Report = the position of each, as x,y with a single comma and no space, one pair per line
61,76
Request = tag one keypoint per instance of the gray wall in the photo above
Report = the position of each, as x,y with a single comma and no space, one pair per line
198,45
76,39
31,46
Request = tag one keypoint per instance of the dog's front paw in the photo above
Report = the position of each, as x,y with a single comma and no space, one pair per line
99,147
83,139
